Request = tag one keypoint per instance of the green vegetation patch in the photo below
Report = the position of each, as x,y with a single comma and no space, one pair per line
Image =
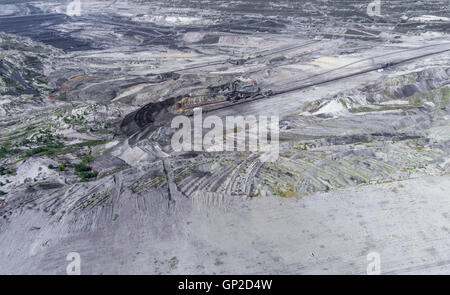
445,95
74,119
82,167
6,171
90,143
87,175
84,171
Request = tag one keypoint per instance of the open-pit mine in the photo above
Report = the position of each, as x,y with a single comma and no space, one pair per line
89,91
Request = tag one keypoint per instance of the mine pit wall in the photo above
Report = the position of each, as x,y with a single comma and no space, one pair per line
424,81
413,123
157,114
160,113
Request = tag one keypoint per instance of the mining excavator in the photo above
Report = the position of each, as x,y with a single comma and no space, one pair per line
240,89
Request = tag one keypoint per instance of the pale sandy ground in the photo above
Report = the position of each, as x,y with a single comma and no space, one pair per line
406,222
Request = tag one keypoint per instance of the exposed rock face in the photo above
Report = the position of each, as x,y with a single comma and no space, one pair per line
87,163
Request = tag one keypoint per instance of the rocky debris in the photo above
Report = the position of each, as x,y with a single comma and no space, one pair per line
21,67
